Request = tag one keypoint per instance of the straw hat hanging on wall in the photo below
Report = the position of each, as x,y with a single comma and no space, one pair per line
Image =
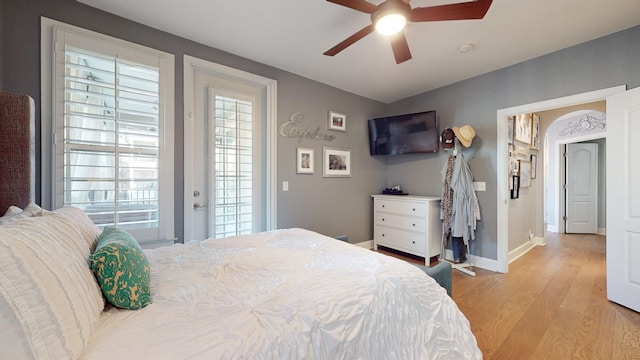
465,135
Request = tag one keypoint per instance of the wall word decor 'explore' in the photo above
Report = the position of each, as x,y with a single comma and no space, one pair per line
295,129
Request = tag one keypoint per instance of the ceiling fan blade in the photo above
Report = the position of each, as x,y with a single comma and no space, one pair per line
467,10
350,40
359,5
400,48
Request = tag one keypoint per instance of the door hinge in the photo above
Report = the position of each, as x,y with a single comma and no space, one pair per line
565,218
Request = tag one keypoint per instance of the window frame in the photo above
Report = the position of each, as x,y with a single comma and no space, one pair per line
54,37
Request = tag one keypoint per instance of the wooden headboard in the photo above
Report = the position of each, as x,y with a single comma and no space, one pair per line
17,151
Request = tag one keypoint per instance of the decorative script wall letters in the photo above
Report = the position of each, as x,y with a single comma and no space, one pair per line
295,129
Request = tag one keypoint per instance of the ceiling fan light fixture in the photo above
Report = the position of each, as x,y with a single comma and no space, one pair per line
390,23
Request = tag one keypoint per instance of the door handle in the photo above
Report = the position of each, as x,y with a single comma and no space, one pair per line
197,205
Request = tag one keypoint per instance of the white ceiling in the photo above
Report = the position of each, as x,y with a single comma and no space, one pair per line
292,35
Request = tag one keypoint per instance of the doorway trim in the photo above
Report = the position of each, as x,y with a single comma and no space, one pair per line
268,87
502,158
559,199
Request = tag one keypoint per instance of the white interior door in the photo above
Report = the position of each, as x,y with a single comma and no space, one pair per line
582,188
623,199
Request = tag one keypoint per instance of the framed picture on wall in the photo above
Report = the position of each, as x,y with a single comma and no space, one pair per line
523,128
534,164
521,152
337,162
337,121
535,132
511,121
304,161
525,173
514,166
515,187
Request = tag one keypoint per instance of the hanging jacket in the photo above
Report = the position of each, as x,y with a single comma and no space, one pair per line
465,209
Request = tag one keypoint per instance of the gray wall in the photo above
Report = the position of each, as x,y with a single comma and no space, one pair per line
332,206
598,64
342,206
329,206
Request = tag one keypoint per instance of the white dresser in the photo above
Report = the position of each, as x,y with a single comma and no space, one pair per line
409,224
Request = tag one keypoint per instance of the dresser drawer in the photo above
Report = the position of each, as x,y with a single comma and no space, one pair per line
401,222
408,223
401,207
411,242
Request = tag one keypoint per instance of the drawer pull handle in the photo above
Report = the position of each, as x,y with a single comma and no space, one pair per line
414,209
414,225
413,242
382,219
382,235
382,205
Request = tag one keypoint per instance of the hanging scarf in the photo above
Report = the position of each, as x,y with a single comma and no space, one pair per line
446,201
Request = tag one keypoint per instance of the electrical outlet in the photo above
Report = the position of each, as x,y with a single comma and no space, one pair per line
285,186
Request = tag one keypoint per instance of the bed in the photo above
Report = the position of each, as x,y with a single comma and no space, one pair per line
285,294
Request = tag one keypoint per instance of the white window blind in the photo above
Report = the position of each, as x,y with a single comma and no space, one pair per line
233,166
112,130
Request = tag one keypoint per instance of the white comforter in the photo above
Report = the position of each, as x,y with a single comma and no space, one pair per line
288,294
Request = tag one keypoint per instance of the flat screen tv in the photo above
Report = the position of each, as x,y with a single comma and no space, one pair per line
404,134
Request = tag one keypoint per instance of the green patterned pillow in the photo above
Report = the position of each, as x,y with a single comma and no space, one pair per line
122,269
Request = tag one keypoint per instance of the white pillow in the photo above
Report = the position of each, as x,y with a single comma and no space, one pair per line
89,231
12,216
33,210
15,213
13,210
47,285
13,342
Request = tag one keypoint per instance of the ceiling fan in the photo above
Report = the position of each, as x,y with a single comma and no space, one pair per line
390,17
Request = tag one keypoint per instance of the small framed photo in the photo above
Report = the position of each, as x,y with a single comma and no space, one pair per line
525,173
521,152
515,187
511,121
535,132
337,162
534,164
523,128
304,161
514,166
337,121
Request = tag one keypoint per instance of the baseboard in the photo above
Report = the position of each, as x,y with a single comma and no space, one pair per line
602,231
539,241
157,243
525,248
477,261
365,244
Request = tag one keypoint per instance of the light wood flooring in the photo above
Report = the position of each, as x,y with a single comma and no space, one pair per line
551,305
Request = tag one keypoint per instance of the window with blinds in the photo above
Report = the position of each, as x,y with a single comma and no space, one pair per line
232,153
111,139
110,142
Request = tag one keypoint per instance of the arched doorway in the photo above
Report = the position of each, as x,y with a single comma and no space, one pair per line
573,126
